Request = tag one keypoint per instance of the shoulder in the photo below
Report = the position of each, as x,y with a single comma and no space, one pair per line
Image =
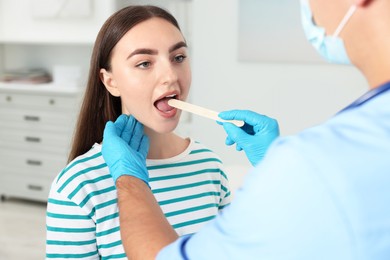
207,158
82,165
85,170
199,150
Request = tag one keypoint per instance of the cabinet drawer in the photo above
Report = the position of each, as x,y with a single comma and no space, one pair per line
25,187
37,101
26,163
36,141
37,119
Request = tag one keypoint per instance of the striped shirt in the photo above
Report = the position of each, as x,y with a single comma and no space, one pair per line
82,214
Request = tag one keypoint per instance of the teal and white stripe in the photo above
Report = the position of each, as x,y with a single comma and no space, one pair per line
82,213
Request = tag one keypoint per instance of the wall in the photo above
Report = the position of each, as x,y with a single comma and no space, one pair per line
299,95
1,47
1,58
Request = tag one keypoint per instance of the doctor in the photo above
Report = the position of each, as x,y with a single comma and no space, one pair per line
321,194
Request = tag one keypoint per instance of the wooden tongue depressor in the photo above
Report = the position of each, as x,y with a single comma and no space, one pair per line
201,111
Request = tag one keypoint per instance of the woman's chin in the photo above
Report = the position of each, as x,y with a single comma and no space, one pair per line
163,128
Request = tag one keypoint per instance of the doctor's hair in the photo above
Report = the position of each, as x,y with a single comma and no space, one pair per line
99,106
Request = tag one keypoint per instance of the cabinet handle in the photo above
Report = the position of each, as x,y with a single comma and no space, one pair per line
32,118
52,101
32,139
34,187
8,98
34,162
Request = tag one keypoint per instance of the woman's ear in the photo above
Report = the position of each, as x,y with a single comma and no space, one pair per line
109,82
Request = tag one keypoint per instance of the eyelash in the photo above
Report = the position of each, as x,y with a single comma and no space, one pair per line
183,57
146,64
141,65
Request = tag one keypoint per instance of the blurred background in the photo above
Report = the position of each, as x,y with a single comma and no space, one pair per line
245,54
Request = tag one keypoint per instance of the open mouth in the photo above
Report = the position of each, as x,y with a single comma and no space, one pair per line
162,104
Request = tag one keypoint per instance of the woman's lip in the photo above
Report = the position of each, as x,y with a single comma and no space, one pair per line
167,94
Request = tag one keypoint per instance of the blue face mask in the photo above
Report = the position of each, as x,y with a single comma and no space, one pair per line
329,47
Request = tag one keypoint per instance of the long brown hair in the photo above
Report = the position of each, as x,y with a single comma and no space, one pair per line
99,106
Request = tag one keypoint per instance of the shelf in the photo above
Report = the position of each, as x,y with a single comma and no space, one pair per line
41,88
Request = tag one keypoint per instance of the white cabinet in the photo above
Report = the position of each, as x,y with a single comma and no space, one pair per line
36,127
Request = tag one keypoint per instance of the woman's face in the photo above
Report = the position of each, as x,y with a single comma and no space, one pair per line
149,65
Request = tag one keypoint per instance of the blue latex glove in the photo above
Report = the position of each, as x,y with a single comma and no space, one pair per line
125,147
254,137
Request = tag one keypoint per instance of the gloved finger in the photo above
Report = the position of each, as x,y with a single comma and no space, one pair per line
144,146
138,133
120,123
109,131
249,117
229,141
237,135
231,131
128,129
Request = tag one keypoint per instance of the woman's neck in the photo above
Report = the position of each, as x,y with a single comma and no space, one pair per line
163,146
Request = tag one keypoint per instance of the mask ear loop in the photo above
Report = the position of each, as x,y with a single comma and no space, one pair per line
345,20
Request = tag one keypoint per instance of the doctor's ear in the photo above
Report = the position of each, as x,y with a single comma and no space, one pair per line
109,82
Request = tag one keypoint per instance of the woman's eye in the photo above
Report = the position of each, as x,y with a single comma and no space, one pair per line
179,58
143,65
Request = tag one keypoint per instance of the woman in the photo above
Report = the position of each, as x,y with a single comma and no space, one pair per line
139,62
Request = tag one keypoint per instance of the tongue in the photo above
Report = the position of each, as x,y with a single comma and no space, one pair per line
162,105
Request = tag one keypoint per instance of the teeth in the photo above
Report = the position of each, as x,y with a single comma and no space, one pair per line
171,96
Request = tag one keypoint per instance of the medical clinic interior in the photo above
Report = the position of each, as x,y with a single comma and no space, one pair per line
240,56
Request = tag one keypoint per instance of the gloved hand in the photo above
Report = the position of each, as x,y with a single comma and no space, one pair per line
254,137
125,148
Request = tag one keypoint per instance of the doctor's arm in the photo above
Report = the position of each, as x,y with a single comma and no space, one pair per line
144,228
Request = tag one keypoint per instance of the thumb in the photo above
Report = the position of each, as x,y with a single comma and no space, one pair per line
249,117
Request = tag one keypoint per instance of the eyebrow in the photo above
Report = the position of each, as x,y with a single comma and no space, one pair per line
178,46
155,52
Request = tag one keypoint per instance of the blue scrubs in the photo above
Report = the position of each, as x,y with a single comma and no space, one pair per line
321,194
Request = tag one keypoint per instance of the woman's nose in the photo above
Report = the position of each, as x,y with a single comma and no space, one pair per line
169,74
